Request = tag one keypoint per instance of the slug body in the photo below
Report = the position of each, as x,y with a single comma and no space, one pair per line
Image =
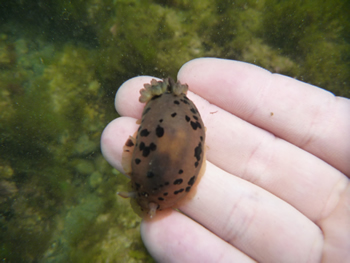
165,159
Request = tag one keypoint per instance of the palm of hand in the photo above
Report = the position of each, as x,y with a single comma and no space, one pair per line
276,186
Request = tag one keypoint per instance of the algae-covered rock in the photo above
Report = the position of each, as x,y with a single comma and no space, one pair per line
314,37
8,188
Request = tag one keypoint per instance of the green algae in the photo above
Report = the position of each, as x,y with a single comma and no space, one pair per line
61,63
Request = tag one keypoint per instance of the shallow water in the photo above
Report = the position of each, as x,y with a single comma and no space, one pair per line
61,63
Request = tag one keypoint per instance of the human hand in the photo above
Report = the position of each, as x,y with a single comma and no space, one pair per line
276,186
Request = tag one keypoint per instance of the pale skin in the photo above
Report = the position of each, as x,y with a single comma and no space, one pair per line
276,185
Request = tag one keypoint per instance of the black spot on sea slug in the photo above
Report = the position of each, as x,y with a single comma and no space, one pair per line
142,146
176,102
196,164
193,110
152,146
159,131
192,180
181,171
166,183
165,194
150,174
161,120
173,114
187,118
146,150
160,198
195,117
196,125
198,151
178,191
188,188
178,181
137,160
137,186
184,101
144,133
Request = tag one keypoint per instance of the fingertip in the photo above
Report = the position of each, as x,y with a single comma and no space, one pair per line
165,237
209,67
127,98
152,233
114,137
173,237
205,76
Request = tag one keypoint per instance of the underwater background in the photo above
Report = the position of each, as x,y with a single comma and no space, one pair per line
61,63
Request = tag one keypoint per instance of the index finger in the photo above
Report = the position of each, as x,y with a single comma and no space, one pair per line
307,116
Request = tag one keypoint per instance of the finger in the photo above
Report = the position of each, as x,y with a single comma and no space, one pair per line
336,228
256,222
113,139
307,116
127,98
294,175
173,237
